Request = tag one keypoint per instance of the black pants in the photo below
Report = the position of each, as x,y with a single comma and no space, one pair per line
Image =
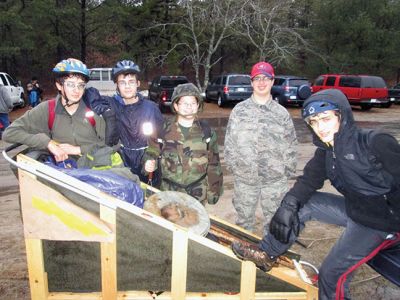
355,243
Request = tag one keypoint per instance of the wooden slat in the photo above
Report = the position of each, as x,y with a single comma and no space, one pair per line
108,258
37,275
179,264
248,281
141,295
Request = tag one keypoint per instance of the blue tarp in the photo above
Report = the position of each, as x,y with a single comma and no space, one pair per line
108,182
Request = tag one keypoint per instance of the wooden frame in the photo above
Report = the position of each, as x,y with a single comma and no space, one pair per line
181,237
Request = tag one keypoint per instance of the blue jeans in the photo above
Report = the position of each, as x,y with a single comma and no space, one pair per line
355,243
4,120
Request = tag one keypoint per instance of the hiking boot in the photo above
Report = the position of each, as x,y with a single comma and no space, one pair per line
252,253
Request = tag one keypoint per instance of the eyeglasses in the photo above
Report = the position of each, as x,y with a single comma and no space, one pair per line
72,85
185,104
262,79
123,83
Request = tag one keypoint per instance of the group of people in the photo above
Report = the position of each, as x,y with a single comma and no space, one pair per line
34,92
259,150
80,122
6,103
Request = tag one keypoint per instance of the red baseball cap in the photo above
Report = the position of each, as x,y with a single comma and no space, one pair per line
262,68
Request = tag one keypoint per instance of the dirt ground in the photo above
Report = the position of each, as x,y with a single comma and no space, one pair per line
318,237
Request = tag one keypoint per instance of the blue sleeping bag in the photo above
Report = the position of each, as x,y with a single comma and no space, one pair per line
110,183
104,180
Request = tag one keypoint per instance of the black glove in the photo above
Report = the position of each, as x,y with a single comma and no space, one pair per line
111,135
285,219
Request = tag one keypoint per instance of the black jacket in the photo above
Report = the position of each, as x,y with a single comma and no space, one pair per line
363,165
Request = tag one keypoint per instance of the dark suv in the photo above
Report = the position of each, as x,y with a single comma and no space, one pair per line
161,89
229,87
290,89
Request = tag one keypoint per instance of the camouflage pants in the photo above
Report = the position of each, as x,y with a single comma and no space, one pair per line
246,197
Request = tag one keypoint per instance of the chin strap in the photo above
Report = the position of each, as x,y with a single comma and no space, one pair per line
67,101
187,115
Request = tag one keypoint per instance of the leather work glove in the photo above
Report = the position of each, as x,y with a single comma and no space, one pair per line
285,219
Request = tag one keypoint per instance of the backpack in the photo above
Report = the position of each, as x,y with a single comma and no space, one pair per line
52,114
33,97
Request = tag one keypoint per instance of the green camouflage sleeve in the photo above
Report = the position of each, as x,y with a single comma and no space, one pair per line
214,171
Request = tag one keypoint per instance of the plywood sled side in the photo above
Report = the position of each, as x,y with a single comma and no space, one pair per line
90,245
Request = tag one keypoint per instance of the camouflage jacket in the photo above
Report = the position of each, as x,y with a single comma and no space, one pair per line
260,142
188,165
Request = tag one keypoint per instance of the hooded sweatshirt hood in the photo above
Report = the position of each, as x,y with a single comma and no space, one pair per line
347,124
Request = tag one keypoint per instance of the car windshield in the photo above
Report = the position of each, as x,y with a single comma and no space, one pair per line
298,82
170,83
279,81
239,80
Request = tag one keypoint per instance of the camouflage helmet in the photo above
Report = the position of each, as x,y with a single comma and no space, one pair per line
186,89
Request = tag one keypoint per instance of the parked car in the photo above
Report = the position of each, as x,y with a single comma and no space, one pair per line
394,93
289,89
161,89
363,90
101,79
229,87
14,88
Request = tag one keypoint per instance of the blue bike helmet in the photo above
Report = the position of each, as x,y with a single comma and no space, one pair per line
71,66
317,107
125,67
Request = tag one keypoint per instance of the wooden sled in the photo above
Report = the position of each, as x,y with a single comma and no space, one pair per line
84,244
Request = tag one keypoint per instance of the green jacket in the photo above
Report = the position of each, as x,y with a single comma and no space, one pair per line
32,128
190,164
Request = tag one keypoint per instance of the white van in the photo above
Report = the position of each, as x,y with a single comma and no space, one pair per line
101,79
14,88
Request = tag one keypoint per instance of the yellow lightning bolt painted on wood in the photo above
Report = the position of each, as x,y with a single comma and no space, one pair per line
72,221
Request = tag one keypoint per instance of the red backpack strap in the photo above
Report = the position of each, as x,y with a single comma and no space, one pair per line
52,112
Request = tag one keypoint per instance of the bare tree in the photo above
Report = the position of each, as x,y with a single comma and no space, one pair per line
202,27
271,28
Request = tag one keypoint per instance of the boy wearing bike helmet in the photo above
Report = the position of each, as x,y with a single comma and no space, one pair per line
364,166
71,132
187,150
125,113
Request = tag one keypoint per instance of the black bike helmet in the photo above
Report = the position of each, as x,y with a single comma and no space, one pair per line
125,67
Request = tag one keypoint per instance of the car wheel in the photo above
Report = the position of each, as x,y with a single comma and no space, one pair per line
206,98
220,102
387,105
304,91
279,100
366,106
23,101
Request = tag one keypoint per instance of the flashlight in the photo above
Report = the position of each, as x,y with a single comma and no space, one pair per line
147,129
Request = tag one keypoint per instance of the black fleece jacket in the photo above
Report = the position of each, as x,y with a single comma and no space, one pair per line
362,164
